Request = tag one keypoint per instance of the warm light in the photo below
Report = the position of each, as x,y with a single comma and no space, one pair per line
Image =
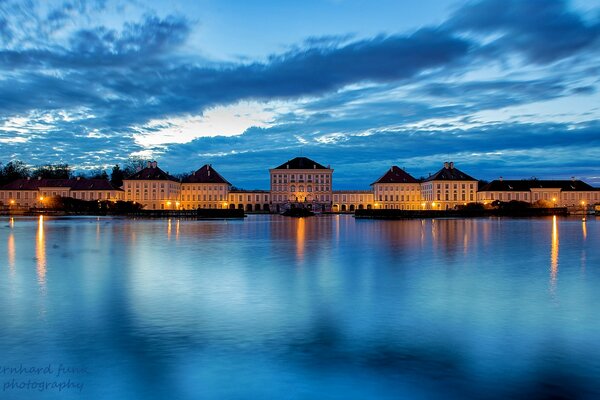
554,199
168,203
554,253
432,204
42,198
12,202
582,203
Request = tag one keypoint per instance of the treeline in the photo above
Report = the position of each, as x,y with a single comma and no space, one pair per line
17,169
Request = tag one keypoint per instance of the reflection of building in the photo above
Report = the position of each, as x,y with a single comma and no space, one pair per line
39,192
301,182
397,189
250,200
205,188
351,200
559,193
448,188
153,188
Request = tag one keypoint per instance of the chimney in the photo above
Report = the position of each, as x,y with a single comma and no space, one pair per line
148,164
28,178
500,179
314,166
78,178
446,165
138,168
573,178
154,164
39,178
208,171
392,169
287,166
451,164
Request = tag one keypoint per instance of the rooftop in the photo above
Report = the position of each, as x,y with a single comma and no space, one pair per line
301,163
396,175
525,185
151,173
72,183
450,173
206,174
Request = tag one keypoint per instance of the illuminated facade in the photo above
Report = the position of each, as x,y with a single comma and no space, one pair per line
301,182
557,193
153,188
205,188
352,200
38,193
398,190
250,200
448,188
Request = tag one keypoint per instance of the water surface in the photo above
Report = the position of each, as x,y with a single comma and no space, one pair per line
279,308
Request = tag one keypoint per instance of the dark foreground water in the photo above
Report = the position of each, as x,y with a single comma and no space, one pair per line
319,308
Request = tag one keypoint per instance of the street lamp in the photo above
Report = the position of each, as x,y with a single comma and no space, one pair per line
554,201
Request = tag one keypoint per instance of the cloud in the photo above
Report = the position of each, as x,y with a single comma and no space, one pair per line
544,31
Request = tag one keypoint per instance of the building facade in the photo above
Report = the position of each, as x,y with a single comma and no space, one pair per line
301,182
352,200
557,193
153,188
398,190
448,188
205,188
37,193
250,200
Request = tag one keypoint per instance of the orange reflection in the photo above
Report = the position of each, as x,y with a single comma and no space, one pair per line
40,252
584,227
177,230
300,235
169,229
11,253
554,253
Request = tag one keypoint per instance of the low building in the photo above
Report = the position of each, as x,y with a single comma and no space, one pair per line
397,189
448,188
36,193
205,188
250,200
559,193
301,182
352,200
153,188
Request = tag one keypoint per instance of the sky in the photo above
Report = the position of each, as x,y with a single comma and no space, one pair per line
500,87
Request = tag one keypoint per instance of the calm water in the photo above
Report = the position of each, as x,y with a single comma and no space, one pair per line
277,308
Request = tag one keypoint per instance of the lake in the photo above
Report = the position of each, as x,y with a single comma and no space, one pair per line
271,307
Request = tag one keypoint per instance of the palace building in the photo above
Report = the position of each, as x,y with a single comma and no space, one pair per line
301,182
205,188
37,193
154,188
397,189
448,188
555,193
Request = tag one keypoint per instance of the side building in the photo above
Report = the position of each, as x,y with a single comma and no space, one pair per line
250,200
554,193
205,188
352,200
397,189
153,188
38,193
301,182
448,188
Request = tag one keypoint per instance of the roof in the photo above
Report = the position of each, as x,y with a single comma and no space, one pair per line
525,185
396,175
450,173
151,174
73,184
206,174
301,163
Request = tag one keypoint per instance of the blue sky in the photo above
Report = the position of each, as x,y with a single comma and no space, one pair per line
501,87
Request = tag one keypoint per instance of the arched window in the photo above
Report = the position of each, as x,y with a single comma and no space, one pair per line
293,188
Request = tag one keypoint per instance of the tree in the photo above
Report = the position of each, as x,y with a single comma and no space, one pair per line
12,171
98,173
132,165
52,171
116,176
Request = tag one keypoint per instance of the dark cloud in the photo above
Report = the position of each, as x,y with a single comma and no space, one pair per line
544,31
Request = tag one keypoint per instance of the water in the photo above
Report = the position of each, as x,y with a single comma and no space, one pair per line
278,308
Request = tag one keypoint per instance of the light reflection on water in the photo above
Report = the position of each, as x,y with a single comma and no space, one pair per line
325,307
